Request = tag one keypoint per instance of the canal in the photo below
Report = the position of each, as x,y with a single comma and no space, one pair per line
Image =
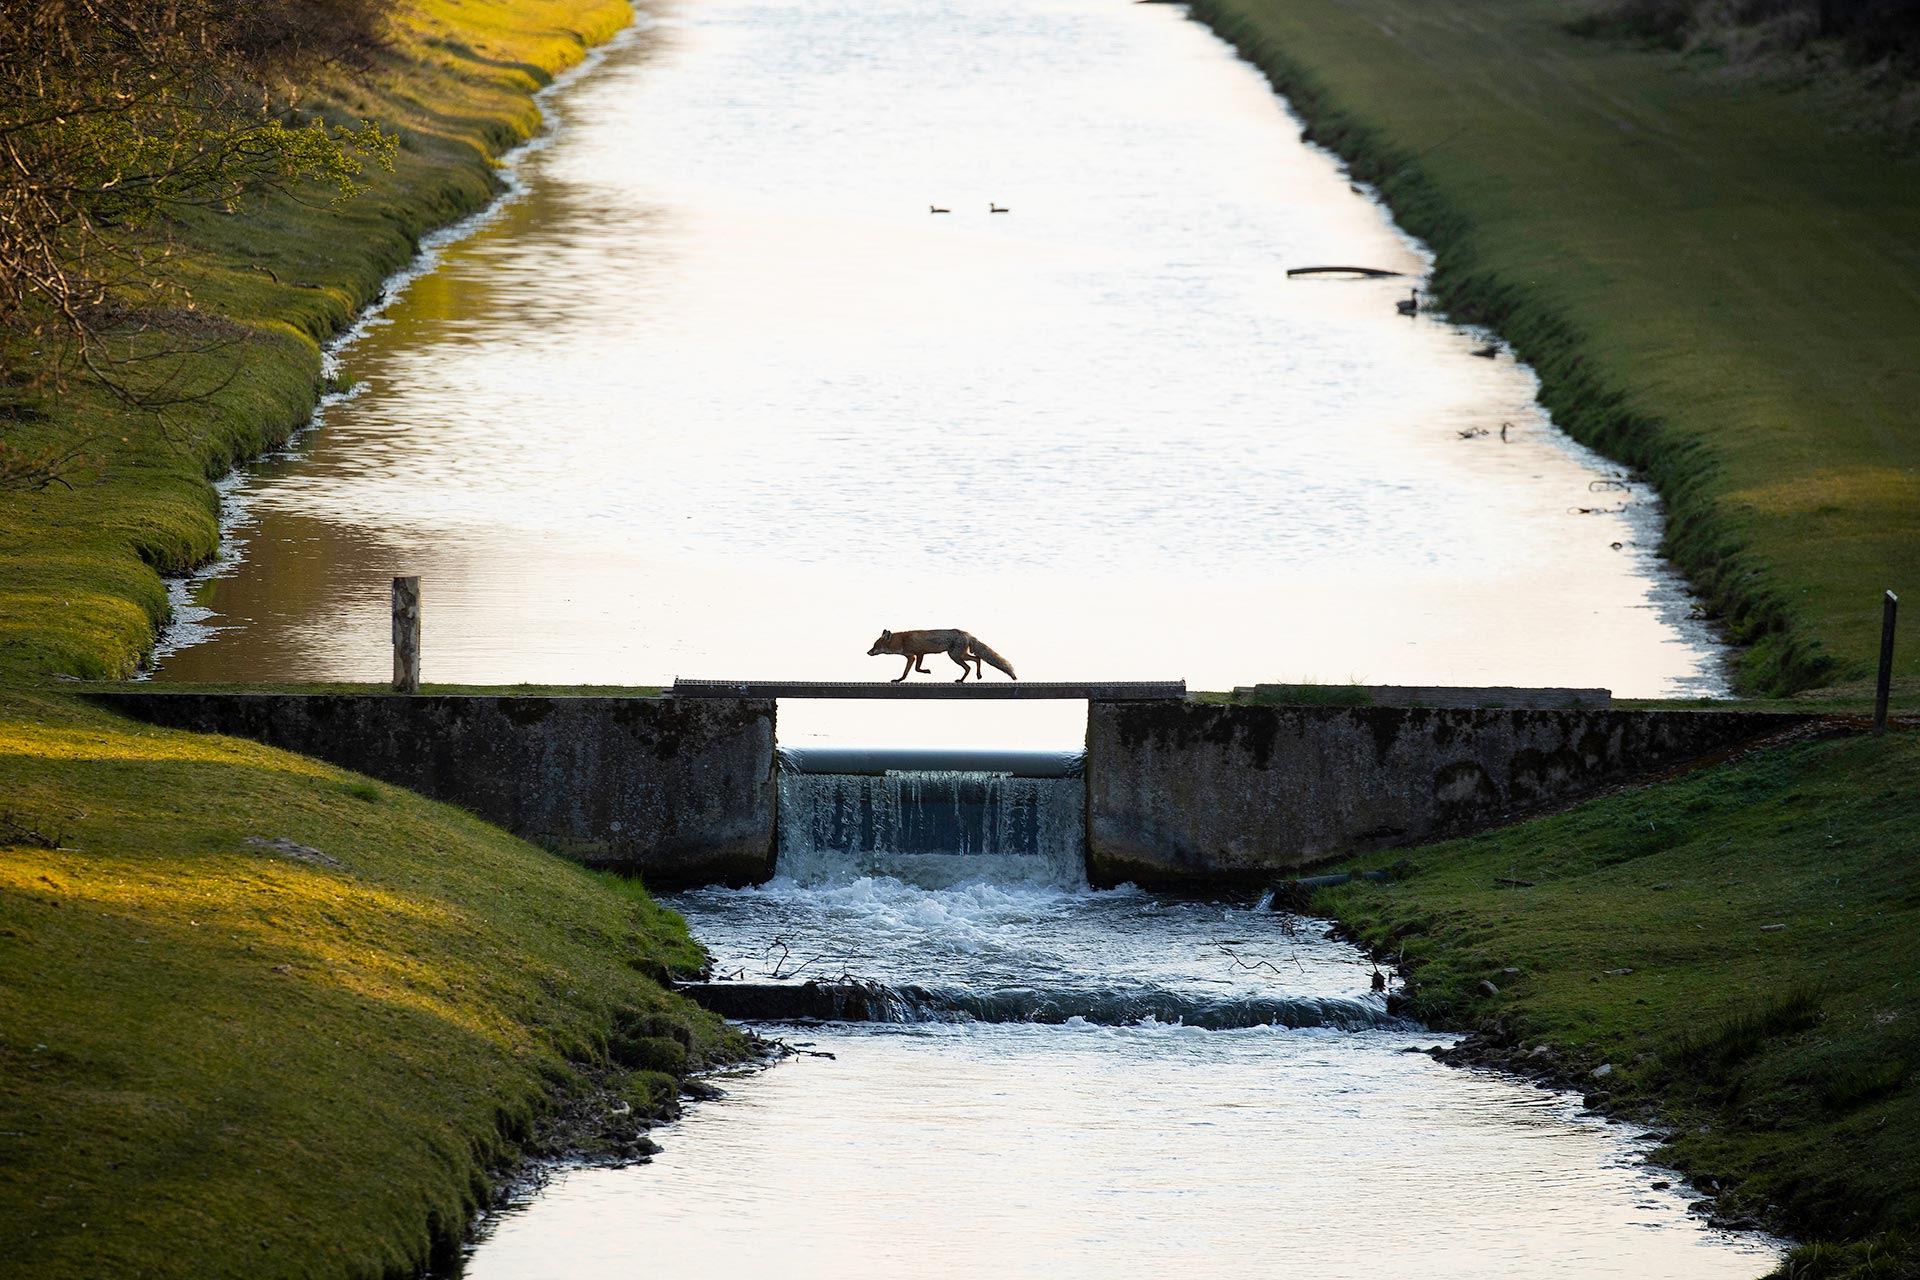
716,393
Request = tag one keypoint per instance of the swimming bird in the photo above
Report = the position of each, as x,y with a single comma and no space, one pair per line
1408,305
994,208
934,208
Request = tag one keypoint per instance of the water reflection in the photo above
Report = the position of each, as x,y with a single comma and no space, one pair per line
1101,1147
719,397
1120,1152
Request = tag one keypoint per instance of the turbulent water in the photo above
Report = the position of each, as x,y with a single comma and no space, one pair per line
933,826
1050,1081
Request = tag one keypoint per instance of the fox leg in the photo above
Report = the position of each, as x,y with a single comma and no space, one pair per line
958,652
920,664
904,674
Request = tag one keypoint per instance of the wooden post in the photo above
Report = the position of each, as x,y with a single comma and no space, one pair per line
1889,607
406,635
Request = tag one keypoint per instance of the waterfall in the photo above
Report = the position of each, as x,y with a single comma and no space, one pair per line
931,827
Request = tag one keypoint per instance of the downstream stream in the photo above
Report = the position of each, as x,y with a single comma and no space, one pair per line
1081,1083
714,394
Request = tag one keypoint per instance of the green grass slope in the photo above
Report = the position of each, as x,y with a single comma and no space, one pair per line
80,588
262,1016
257,1015
1715,286
1737,947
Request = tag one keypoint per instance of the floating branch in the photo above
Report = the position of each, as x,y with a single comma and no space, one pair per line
1234,956
1369,273
779,971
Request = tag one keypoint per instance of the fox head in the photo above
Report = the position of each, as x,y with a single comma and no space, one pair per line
879,646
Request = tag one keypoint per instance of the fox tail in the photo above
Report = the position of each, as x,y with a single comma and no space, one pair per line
981,649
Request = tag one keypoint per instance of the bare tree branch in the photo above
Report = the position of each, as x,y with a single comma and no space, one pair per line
119,116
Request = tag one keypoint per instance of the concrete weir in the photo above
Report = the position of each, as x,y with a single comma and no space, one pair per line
680,792
683,790
1187,793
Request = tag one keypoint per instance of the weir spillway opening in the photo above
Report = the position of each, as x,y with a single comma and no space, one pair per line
932,817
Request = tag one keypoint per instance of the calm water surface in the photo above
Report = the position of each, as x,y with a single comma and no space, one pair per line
1217,1154
718,396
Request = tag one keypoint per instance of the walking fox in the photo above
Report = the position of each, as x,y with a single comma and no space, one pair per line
962,647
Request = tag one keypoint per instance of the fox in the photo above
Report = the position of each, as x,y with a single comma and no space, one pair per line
964,648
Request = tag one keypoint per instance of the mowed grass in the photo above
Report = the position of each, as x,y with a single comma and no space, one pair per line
80,586
1739,946
259,1016
227,1057
1716,282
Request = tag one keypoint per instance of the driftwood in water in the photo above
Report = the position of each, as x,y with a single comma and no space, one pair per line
1371,273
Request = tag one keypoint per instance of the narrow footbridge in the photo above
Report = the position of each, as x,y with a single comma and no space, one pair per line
983,690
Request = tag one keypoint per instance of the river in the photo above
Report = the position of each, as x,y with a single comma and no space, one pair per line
714,393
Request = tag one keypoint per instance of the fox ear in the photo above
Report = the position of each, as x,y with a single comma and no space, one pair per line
884,633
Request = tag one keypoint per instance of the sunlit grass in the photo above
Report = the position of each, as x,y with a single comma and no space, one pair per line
152,745
217,959
80,592
1736,945
258,1015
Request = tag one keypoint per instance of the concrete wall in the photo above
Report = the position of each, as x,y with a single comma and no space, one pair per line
680,792
1192,793
1423,695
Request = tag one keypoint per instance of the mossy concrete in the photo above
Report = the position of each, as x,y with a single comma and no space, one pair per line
1198,794
675,792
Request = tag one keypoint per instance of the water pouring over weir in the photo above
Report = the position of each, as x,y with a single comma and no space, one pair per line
1137,1066
1014,818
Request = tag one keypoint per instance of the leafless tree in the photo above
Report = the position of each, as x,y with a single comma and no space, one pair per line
116,117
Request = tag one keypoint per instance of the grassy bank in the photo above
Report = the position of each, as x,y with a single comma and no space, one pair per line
261,1016
1730,955
257,1015
1720,289
1716,286
80,587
